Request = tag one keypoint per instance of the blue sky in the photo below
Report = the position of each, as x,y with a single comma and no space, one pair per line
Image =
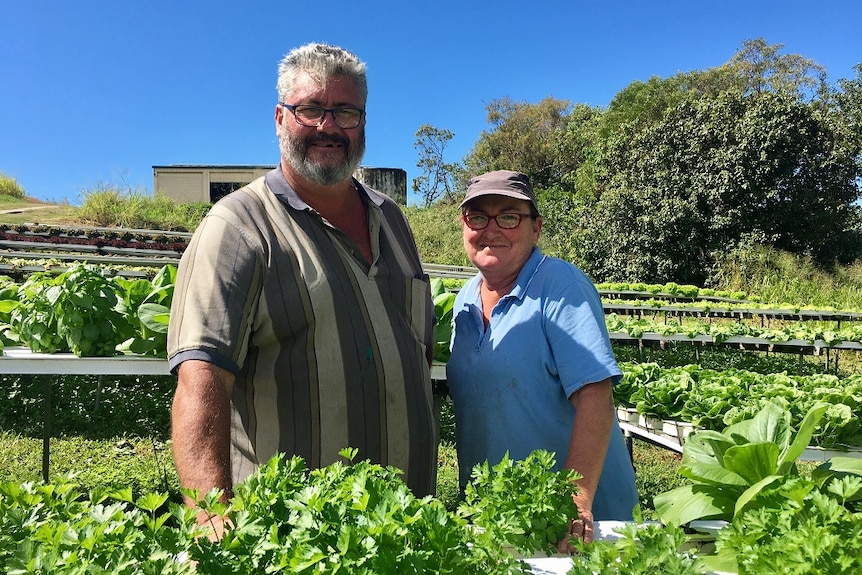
96,92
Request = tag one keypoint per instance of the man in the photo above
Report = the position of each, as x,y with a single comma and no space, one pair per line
302,321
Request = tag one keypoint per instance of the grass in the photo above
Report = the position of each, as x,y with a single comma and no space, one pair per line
780,278
106,206
28,210
655,472
142,464
111,434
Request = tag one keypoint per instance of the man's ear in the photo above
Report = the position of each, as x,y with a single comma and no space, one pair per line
279,114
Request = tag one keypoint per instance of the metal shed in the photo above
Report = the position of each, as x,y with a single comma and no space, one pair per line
187,183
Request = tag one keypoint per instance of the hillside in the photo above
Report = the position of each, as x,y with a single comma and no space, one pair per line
29,210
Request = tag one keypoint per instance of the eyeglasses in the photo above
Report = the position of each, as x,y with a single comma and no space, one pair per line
508,221
312,116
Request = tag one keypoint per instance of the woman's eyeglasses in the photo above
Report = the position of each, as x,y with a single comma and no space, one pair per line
507,221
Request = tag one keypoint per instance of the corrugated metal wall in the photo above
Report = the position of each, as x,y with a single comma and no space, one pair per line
186,184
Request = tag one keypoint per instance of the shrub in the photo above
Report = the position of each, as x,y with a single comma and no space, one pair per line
10,187
112,206
438,234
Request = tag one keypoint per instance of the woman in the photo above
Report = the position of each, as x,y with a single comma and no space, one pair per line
532,365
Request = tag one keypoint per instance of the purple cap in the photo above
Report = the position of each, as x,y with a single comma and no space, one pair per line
501,183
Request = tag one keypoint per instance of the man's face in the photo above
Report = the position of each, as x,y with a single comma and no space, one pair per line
325,155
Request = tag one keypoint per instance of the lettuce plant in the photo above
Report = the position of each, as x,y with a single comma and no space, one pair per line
730,470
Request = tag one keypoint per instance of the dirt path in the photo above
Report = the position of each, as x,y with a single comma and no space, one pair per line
28,209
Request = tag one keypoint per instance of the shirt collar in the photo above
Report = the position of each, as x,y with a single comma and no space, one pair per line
525,276
278,184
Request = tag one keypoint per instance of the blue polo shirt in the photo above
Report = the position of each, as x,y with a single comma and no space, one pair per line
510,383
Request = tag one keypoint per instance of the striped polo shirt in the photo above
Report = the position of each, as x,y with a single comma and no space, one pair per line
328,352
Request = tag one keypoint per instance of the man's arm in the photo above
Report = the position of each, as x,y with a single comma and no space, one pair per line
588,445
200,423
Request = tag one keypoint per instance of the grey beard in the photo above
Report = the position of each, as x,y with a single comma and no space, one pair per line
294,152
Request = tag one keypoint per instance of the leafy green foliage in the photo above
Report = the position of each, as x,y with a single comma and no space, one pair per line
524,503
713,399
641,550
716,173
150,303
357,518
444,303
529,138
720,332
75,311
670,289
803,531
88,313
56,529
739,469
665,396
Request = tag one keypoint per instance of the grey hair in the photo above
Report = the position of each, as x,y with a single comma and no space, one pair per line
322,62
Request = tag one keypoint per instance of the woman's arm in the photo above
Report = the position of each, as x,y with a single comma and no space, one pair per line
588,446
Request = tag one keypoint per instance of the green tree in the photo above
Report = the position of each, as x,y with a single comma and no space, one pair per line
765,70
714,173
575,148
849,100
437,179
642,104
524,137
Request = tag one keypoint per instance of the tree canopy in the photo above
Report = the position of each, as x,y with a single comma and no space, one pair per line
437,178
678,171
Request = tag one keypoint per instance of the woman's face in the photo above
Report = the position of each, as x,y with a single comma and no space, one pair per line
495,250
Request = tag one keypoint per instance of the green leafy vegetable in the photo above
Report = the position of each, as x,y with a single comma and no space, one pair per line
444,303
804,530
642,550
76,311
524,503
729,471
